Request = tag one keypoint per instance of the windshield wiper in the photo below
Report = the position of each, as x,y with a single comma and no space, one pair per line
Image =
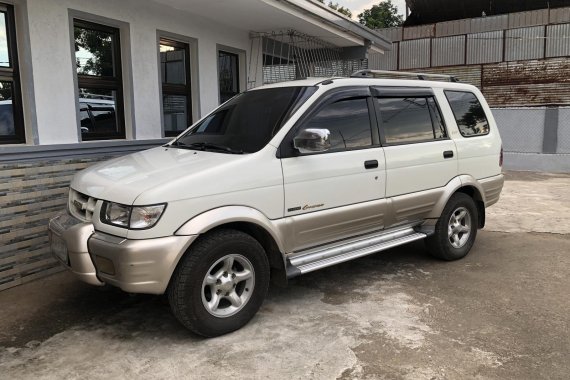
211,146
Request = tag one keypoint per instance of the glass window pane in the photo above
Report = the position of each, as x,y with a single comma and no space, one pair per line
173,64
228,69
97,112
6,109
468,112
94,52
175,113
405,120
4,55
348,121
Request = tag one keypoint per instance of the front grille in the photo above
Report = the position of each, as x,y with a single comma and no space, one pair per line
81,206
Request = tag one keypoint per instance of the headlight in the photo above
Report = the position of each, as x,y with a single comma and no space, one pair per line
136,218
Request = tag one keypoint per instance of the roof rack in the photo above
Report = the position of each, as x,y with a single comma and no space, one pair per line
420,76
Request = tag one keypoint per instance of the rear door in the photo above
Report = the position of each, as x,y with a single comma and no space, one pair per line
420,157
339,193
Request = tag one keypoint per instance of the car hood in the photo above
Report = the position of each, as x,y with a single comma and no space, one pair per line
124,179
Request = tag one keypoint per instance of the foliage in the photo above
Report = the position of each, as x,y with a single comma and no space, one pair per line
99,46
383,15
339,8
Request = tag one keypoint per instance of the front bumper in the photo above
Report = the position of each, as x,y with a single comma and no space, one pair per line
135,266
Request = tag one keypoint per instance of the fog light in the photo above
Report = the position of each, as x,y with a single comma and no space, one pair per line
104,265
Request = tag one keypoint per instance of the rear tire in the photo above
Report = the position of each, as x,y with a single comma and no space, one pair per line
220,283
456,229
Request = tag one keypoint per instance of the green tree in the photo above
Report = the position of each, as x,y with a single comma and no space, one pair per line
339,8
383,15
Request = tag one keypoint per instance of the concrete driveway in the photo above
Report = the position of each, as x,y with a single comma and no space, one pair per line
501,313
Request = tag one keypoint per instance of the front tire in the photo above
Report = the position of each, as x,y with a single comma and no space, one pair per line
220,283
456,229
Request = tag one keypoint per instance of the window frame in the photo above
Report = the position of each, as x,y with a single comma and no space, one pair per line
226,51
286,149
177,89
114,83
424,93
12,74
455,116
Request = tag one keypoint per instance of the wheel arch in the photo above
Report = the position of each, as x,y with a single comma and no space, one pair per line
249,221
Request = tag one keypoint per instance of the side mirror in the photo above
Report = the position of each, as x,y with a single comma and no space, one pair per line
312,140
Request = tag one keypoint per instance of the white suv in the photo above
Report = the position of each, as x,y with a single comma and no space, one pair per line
280,181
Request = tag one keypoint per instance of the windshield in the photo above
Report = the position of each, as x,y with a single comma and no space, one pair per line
247,122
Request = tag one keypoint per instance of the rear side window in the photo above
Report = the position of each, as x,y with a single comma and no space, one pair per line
348,121
407,120
468,112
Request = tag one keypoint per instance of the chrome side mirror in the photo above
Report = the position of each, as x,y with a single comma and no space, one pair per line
312,140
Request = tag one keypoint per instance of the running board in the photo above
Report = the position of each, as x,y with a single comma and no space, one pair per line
336,253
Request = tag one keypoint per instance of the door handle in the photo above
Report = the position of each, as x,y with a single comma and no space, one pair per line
448,154
371,164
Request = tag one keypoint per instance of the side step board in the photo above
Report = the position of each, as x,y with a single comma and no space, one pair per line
336,253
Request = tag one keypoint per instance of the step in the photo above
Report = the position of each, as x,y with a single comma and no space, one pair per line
322,257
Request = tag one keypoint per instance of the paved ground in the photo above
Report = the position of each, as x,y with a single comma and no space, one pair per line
501,313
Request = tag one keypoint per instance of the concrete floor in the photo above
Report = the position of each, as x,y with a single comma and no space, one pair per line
501,313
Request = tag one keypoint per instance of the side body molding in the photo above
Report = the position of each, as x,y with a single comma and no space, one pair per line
230,214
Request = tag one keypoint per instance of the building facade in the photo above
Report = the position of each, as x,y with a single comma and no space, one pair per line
86,80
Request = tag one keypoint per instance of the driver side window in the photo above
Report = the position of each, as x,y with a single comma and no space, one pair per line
348,121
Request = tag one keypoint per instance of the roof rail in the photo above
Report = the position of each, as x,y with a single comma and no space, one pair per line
420,76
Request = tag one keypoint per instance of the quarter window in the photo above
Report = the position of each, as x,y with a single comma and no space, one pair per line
99,78
11,115
348,121
176,89
468,113
228,72
410,119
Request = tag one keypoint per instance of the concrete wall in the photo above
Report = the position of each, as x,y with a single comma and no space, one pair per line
535,139
52,60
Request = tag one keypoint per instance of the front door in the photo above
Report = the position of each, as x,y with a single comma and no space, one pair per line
339,193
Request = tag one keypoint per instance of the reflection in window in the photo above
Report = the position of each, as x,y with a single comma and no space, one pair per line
98,57
228,71
405,120
468,112
97,111
176,89
11,116
348,121
94,51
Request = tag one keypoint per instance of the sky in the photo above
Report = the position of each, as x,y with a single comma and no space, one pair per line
357,6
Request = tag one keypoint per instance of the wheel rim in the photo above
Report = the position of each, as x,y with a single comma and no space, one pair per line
228,285
459,228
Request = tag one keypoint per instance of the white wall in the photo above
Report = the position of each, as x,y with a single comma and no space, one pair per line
54,71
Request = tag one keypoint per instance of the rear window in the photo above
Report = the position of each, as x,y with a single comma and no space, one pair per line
468,112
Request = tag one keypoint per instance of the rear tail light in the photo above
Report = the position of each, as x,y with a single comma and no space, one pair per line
501,158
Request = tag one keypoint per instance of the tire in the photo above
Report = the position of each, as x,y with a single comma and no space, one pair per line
211,292
456,229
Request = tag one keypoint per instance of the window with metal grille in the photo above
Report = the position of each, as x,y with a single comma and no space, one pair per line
176,89
11,116
228,75
99,78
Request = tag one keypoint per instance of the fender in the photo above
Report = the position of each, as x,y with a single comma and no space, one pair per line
451,187
229,214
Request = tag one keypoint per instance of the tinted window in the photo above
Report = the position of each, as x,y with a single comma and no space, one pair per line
405,120
468,112
348,121
438,124
228,71
248,121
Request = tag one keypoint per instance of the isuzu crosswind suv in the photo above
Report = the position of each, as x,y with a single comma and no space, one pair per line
280,181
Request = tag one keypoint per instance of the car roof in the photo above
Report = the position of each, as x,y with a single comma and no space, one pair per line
341,82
